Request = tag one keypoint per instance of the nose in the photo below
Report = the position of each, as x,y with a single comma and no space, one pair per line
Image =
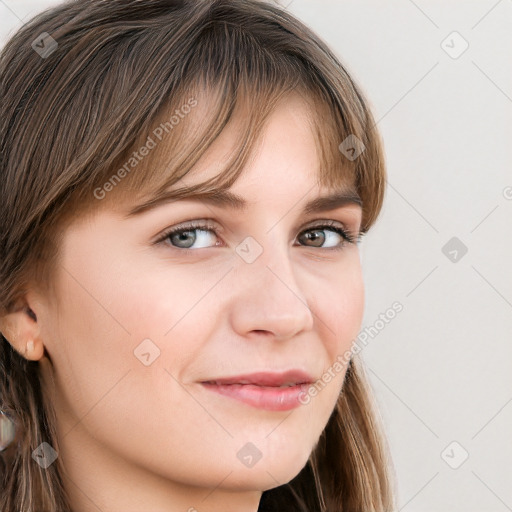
267,296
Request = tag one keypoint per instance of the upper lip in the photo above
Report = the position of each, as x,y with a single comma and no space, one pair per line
290,377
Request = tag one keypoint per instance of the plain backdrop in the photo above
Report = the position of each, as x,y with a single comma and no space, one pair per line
438,77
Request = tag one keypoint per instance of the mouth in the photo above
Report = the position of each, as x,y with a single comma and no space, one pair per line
270,391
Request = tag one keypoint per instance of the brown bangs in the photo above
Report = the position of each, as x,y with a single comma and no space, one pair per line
232,76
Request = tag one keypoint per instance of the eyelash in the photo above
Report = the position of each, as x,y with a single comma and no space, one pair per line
347,235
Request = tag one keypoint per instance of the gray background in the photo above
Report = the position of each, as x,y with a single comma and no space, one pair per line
441,369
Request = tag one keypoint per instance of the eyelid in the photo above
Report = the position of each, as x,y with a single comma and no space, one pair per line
189,224
349,235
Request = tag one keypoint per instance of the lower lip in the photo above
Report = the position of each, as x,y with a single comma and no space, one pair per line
262,397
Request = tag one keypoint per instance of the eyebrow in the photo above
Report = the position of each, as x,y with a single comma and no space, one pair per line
226,199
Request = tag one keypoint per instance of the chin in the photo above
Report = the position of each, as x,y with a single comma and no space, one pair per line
265,475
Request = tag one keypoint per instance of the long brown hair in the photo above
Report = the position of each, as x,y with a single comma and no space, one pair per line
83,85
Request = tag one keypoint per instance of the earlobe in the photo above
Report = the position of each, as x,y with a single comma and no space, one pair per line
21,330
34,351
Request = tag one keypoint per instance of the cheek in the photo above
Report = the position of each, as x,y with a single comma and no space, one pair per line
339,307
105,312
159,306
90,340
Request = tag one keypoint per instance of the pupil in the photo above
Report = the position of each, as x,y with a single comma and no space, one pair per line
314,237
182,237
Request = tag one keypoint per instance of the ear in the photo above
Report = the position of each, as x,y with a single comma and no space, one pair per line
20,328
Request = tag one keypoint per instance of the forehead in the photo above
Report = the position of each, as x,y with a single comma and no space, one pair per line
286,134
284,158
298,134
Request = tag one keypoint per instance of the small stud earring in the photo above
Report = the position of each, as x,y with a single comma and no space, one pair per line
7,431
30,346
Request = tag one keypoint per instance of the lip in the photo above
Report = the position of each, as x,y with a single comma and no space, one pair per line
264,390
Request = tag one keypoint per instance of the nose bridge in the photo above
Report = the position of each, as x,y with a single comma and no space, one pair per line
266,294
266,256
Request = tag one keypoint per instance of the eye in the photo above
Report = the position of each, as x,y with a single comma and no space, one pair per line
184,236
316,235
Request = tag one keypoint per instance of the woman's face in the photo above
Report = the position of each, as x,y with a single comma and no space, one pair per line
140,326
